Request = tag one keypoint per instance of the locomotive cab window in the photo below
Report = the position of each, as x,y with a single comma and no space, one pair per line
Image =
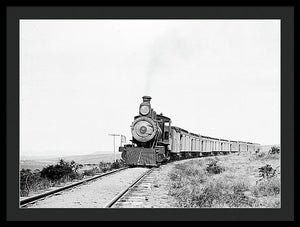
166,130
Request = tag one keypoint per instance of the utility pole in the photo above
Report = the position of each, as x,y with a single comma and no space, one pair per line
114,135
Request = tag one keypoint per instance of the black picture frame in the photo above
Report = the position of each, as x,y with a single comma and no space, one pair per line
283,13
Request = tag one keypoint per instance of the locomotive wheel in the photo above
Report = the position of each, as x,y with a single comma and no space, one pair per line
161,158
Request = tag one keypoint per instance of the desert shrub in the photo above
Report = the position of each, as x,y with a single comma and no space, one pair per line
266,171
90,172
215,193
73,175
119,163
192,172
24,175
269,183
186,172
265,156
223,194
194,186
174,176
61,169
177,184
274,150
107,166
104,166
267,187
49,176
213,168
177,178
32,181
258,150
261,155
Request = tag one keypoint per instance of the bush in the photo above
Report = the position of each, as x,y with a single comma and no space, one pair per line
274,150
267,187
266,171
223,194
261,155
257,151
214,193
24,175
269,184
106,166
91,172
60,170
214,168
32,181
118,164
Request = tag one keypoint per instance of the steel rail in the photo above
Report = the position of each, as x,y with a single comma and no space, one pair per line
124,191
36,197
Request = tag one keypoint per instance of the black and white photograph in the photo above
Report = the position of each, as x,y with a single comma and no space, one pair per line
149,113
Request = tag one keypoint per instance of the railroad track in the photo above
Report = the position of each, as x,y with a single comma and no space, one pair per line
33,199
125,194
134,195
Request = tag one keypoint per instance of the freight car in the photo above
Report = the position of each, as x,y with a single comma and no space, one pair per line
155,140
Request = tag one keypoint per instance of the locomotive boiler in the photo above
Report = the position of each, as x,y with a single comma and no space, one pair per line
150,138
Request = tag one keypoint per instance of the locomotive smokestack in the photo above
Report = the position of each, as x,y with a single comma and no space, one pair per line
146,99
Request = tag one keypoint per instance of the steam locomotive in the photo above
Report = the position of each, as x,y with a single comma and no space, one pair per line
155,141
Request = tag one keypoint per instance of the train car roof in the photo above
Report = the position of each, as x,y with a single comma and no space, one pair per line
208,137
213,138
224,140
193,134
242,142
177,129
249,143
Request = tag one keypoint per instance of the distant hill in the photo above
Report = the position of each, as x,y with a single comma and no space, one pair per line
94,158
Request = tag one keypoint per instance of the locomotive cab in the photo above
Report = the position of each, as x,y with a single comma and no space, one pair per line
165,125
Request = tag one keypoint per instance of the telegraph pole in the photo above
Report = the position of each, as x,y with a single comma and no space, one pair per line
114,135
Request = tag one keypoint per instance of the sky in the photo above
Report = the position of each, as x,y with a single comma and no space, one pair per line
81,80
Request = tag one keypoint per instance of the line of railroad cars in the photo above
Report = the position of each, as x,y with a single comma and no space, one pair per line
155,141
184,144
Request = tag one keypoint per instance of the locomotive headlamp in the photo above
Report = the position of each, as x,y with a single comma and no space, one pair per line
144,110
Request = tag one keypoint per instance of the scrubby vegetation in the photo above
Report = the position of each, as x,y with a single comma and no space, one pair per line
274,150
233,181
91,172
213,168
107,166
61,170
32,181
60,173
265,155
266,171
